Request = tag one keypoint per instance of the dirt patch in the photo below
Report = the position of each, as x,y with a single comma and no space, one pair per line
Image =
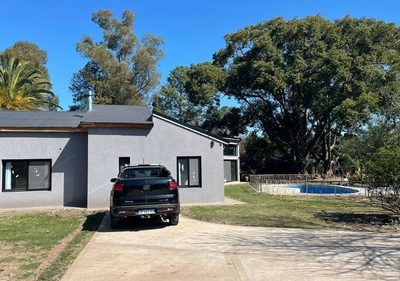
16,263
55,252
62,212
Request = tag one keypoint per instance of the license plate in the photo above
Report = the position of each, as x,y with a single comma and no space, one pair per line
146,212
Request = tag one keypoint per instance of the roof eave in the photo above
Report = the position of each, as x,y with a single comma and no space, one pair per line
115,125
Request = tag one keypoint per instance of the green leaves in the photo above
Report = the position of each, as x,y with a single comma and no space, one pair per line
23,87
311,77
121,68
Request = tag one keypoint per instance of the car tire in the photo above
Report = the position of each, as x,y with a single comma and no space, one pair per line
174,219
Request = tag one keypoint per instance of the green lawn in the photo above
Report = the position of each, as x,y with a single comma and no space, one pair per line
27,240
350,213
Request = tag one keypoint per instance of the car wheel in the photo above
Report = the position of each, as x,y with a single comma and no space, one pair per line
174,219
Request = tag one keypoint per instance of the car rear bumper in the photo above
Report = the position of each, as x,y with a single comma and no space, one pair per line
133,211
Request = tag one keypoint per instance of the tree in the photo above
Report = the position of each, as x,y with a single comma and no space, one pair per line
26,51
306,81
23,89
191,95
382,172
225,121
121,69
37,58
173,98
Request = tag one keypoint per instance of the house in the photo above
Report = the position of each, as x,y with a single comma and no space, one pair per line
68,158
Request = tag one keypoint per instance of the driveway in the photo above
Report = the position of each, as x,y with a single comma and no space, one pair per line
196,250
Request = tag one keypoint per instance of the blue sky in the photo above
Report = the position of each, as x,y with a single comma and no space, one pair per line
192,30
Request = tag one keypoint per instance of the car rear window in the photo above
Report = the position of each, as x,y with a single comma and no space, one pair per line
144,173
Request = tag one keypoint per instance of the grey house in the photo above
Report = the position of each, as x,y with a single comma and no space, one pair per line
68,158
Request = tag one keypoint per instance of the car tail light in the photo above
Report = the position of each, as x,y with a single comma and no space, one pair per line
172,185
118,186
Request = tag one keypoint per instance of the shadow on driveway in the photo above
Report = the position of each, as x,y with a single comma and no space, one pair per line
132,224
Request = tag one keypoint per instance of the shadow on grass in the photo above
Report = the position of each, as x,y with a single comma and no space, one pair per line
363,219
93,221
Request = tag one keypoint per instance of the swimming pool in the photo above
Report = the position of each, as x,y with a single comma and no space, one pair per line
310,189
325,189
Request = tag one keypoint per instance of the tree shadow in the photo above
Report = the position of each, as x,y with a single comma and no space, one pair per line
368,255
371,219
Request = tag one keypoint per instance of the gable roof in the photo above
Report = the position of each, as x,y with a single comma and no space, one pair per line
190,127
101,115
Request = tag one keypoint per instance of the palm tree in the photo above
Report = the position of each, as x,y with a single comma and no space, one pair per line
23,88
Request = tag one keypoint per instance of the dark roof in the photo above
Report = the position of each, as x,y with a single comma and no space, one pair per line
232,140
40,119
125,114
194,128
101,114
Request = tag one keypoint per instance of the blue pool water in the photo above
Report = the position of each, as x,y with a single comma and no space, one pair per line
324,189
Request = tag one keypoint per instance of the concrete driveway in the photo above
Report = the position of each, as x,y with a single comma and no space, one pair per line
196,250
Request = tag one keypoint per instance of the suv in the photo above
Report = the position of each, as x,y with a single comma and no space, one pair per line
144,191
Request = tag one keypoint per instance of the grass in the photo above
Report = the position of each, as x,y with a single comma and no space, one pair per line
27,240
313,212
57,269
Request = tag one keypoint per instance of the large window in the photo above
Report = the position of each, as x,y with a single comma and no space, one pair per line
189,171
21,175
230,170
230,150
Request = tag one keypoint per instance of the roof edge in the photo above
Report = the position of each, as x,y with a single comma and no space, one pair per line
115,125
189,127
43,129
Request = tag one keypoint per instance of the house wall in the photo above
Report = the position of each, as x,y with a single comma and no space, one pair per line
160,145
68,152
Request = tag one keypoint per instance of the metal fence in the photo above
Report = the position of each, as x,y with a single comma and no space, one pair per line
256,181
275,184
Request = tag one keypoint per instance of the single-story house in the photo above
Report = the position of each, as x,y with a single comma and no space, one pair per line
68,158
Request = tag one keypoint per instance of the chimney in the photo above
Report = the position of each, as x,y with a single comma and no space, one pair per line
90,101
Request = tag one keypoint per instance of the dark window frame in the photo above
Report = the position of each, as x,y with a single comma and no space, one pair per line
231,146
27,185
230,167
200,171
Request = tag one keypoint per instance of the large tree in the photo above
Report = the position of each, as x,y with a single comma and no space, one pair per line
121,69
173,98
191,95
306,81
29,52
23,87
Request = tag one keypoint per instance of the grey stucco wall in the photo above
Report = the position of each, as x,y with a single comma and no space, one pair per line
68,152
160,145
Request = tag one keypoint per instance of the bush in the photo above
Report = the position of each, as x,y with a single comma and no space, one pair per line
383,173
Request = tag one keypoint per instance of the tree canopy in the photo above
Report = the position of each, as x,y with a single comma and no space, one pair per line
190,95
121,69
29,52
306,81
23,87
26,51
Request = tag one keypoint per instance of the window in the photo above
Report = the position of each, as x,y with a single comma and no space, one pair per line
123,162
230,150
230,170
144,172
189,171
21,175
